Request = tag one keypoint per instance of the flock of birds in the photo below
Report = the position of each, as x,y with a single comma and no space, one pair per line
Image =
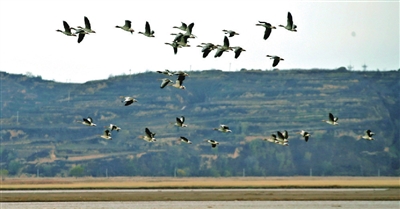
280,138
150,136
181,40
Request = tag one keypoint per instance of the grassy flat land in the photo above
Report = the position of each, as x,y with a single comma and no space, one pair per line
169,182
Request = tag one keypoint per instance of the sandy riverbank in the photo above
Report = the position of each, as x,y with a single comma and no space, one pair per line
199,182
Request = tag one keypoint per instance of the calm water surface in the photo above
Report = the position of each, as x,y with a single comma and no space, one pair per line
207,205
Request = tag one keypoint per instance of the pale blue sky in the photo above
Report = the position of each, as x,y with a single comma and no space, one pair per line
29,41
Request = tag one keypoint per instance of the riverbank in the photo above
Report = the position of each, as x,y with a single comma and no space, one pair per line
198,182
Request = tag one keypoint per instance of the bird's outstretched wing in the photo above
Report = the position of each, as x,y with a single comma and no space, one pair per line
87,23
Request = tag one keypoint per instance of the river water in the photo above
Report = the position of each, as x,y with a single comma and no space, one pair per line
207,205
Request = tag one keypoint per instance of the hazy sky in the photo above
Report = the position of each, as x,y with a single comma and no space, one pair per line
330,34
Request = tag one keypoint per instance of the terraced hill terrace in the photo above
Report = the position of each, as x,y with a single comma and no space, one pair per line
41,126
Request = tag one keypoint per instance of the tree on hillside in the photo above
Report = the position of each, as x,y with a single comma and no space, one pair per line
3,174
76,171
14,167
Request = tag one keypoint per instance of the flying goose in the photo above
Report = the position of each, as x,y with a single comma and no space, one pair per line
181,39
81,34
113,127
222,49
83,31
182,27
67,30
231,33
106,135
165,82
184,139
238,50
179,82
207,48
178,36
186,28
189,31
128,100
180,121
126,27
87,27
289,25
148,32
276,59
88,121
213,143
268,28
175,46
166,72
282,137
286,135
223,128
181,73
368,135
271,139
205,45
332,120
304,134
149,136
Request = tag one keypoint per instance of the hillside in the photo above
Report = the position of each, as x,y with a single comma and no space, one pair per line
40,129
